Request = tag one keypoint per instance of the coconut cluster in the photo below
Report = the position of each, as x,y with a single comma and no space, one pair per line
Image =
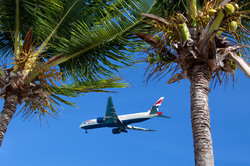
230,11
177,25
152,58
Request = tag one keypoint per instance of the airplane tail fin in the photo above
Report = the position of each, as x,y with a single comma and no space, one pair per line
155,109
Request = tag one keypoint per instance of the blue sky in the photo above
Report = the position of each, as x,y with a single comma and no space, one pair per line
64,143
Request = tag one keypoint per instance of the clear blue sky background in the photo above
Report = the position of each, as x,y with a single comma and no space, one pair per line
64,143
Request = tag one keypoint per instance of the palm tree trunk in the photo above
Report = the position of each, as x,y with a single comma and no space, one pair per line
200,76
9,109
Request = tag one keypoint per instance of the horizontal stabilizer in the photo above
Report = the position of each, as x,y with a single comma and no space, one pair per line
137,128
163,116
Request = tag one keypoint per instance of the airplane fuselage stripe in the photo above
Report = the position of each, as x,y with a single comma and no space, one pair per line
124,122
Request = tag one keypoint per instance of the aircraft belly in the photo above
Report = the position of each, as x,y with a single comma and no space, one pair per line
137,120
99,125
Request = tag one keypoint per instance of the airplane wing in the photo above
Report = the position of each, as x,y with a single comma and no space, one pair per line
137,128
111,115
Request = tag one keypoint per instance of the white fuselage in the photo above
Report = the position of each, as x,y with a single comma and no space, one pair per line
125,119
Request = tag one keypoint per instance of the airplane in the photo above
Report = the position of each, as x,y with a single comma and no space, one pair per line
122,123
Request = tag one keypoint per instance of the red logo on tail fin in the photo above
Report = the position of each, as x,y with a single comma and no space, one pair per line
159,102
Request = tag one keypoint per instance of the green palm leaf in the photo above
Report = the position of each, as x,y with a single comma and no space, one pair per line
76,89
55,96
96,48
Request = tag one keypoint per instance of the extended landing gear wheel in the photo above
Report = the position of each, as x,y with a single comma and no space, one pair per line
86,131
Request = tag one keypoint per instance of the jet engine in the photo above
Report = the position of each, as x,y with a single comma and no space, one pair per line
116,131
100,120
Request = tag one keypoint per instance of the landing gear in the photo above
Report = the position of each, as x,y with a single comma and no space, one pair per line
86,131
123,130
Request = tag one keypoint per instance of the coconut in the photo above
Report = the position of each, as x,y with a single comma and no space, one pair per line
184,31
158,58
212,12
157,38
229,8
233,26
236,6
151,59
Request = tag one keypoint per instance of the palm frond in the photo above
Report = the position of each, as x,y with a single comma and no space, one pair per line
76,89
8,22
45,101
7,26
17,40
58,100
245,22
94,50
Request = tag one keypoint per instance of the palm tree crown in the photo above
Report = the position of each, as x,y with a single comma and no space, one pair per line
211,35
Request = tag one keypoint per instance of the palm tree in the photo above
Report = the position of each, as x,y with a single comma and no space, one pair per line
202,45
62,48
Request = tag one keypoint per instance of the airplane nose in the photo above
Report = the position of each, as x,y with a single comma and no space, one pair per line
82,126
